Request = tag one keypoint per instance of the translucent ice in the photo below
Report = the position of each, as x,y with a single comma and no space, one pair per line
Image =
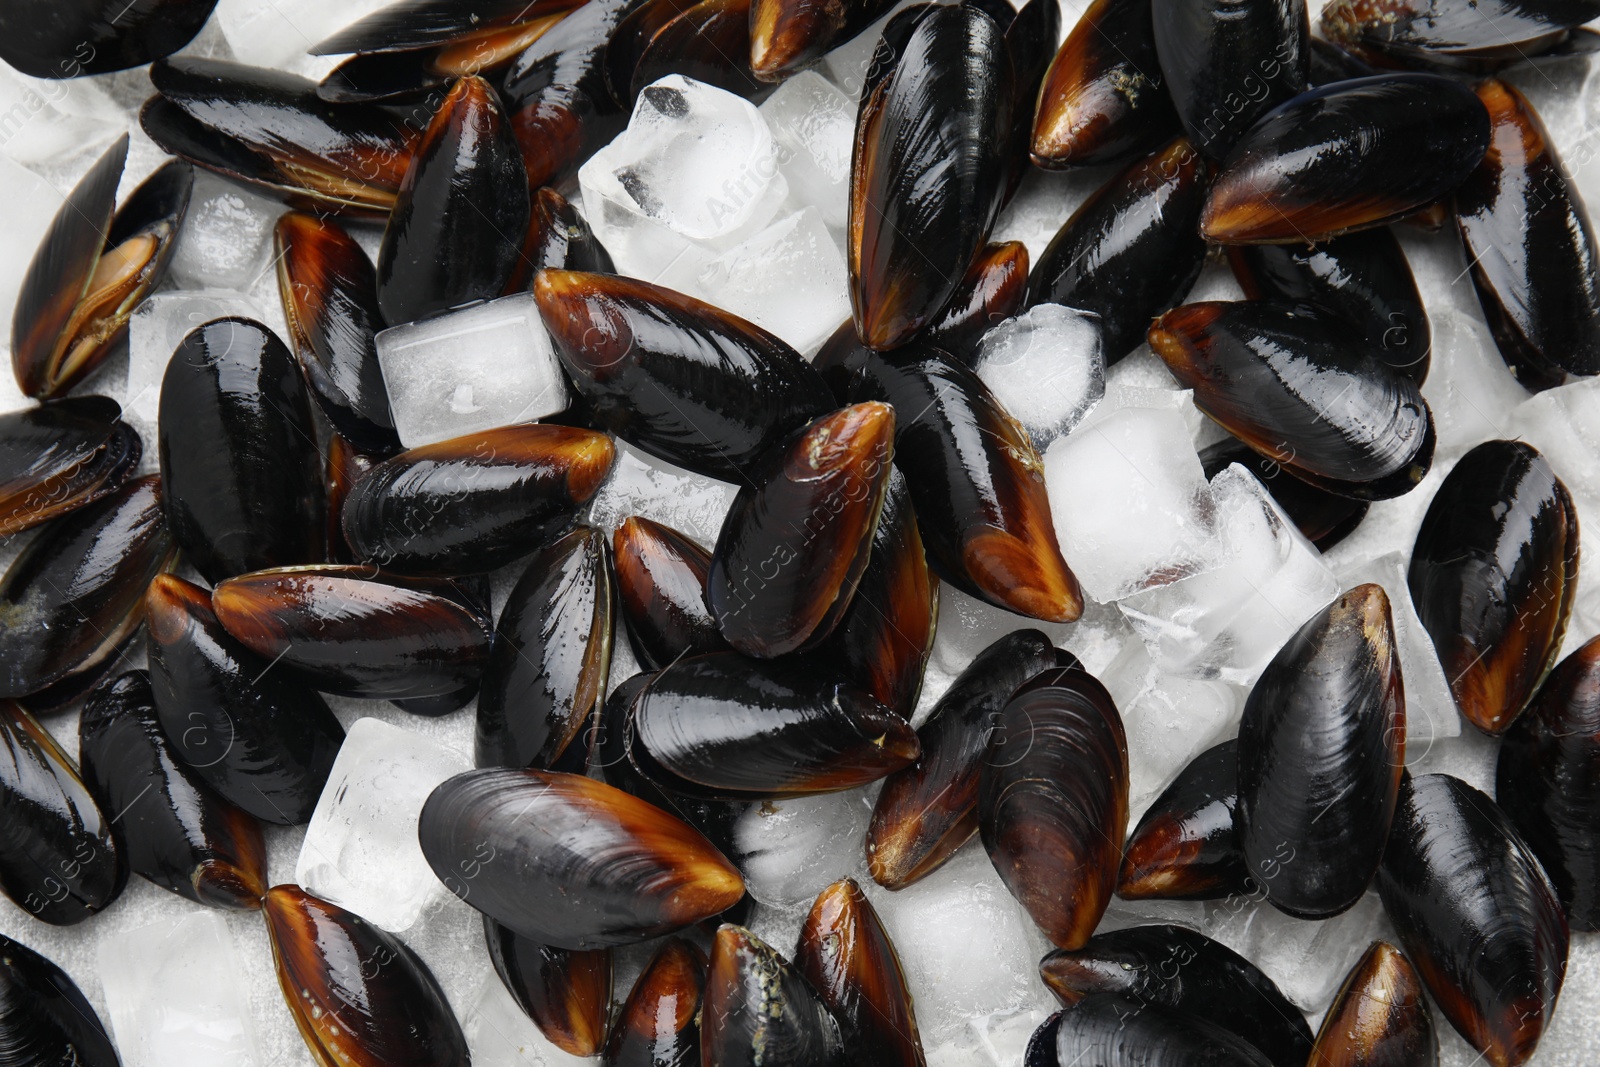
1171,721
1564,425
814,125
270,35
641,484
1470,756
360,849
789,279
43,119
790,850
31,202
967,626
463,371
1046,368
500,1034
1468,387
1306,959
225,236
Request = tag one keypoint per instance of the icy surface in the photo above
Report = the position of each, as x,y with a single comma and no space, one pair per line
43,119
1171,721
814,125
499,1034
1307,959
31,204
790,850
641,484
1046,368
788,279
1470,390
225,236
272,34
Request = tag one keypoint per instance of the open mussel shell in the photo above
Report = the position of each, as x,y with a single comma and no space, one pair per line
1111,1029
44,1017
661,585
566,993
1053,801
1301,392
659,1024
558,238
797,538
1184,847
789,35
679,378
329,293
1379,1016
1548,782
928,172
1346,156
76,592
928,810
759,1009
709,42
1186,971
1324,518
1493,574
846,955
55,39
61,456
1476,914
358,994
569,861
546,675
472,504
261,739
1454,34
1131,250
1532,249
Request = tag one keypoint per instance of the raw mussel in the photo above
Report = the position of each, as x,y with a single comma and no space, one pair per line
1379,1016
44,1017
709,42
71,38
659,1024
1030,36
758,1009
1324,518
1110,1029
60,456
1184,846
558,238
1465,35
661,589
566,993
789,35
994,289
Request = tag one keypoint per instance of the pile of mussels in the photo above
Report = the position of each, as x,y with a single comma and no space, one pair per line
787,661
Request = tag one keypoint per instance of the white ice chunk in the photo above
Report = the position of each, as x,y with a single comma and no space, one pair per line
500,1034
272,34
1170,722
1046,368
641,484
790,850
483,366
177,994
1130,502
1121,914
788,279
43,119
1306,959
225,235
1470,756
968,625
1469,388
847,65
31,203
814,125
1564,425
360,849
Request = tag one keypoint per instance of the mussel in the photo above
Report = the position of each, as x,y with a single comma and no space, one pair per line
566,993
788,35
994,289
1184,846
709,42
1324,518
52,39
1110,1029
60,456
661,589
44,1016
1492,577
659,1024
1454,34
1379,1016
558,238
758,1009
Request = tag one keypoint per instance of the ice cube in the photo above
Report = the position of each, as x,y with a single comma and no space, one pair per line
1564,425
641,484
1307,959
472,369
1171,721
500,1034
224,239
790,850
273,34
1130,502
967,626
43,119
1141,380
177,995
360,849
788,279
1470,756
1121,914
814,125
1046,368
1469,388
31,204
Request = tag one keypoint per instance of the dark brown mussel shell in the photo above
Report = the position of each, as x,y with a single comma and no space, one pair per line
1346,156
1361,279
1324,518
546,675
413,25
1184,847
1332,63
1548,782
797,539
76,592
456,230
59,860
1531,247
91,270
928,810
1184,970
1493,574
44,1016
928,172
727,727
661,585
1030,37
789,35
569,861
1041,1050
558,238
677,377
329,293
659,1024
1454,34
346,466
758,1009
1476,914
354,631
1379,1017
1053,801
846,955
240,472
171,827
1322,745
75,687
976,482
382,77
358,994
61,456
1131,250
56,39
1111,1029
630,39
1301,392
566,993
472,504
709,42
258,737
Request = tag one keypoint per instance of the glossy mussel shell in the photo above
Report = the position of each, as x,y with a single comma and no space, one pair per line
1184,846
1379,1016
1493,575
558,238
1476,914
1111,1029
789,35
659,1024
759,1009
411,25
566,993
60,456
1463,36
44,1016
661,589
1305,395
56,39
1323,517
569,861
709,42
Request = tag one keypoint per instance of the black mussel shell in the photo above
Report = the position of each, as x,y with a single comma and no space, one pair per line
789,35
1030,36
1184,847
726,727
76,593
1303,393
677,377
928,810
329,293
1476,914
358,994
71,38
60,456
1053,801
1324,518
44,1016
558,238
75,687
1453,34
1493,575
346,466
1346,156
261,739
1041,1050
1531,247
411,25
994,289
661,586
240,471
382,77
758,1009
472,504
1184,970
173,829
709,42
1331,63
566,993
569,861
1379,1016
632,36
1131,250
1116,1030
659,1024
546,676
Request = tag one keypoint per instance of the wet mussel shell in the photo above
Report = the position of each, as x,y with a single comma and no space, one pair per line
994,289
1324,518
71,38
1110,1029
661,589
659,1024
1184,847
1477,36
411,25
44,1017
1379,1016
566,993
708,42
759,1009
789,35
558,238
60,456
